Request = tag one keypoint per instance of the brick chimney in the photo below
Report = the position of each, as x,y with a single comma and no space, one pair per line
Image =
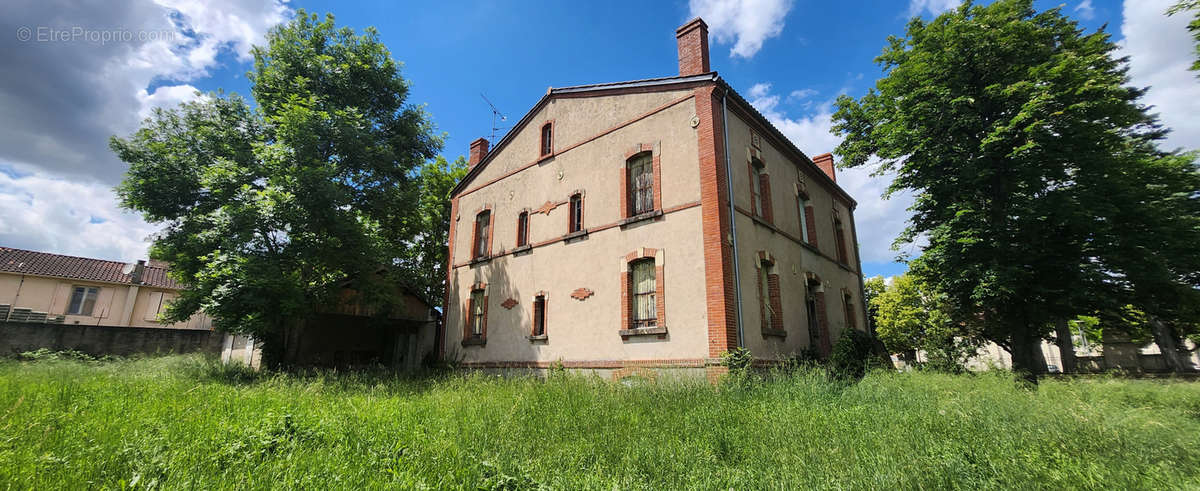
693,47
479,150
825,162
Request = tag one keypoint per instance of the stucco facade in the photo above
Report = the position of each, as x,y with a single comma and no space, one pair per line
571,158
46,283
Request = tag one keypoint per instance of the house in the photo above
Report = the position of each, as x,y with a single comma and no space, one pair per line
57,289
648,226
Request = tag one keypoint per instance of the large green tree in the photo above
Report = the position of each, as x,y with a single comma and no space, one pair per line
427,258
269,210
1007,124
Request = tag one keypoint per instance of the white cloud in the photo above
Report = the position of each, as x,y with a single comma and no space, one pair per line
877,221
1085,10
933,7
71,95
801,94
745,23
53,214
1160,51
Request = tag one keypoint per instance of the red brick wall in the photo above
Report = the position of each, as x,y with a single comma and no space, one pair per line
715,219
692,39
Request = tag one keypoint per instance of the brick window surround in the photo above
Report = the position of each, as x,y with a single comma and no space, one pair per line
476,307
770,303
632,155
546,142
538,310
626,263
481,248
760,187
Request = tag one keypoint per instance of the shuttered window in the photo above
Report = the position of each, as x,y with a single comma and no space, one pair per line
641,184
643,286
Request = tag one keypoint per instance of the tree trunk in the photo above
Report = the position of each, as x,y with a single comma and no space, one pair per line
1027,360
1066,346
1165,340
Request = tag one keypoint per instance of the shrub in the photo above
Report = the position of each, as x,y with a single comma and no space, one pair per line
852,354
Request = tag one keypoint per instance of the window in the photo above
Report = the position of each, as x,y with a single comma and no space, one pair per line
547,139
840,239
764,303
158,302
482,230
769,303
83,300
760,190
478,311
575,223
814,325
523,229
539,315
756,188
804,209
641,184
642,287
848,305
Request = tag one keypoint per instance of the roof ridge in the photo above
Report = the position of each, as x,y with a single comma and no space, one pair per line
63,255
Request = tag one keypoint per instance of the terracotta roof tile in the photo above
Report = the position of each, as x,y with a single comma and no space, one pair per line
21,261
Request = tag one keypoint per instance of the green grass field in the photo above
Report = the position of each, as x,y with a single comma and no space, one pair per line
181,422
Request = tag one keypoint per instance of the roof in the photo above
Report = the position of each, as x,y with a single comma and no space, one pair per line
651,83
21,261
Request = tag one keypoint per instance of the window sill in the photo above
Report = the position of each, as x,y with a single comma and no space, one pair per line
660,331
522,250
763,221
479,260
578,235
638,218
536,338
474,342
545,157
774,332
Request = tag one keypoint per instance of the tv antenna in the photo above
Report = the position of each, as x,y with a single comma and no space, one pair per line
495,114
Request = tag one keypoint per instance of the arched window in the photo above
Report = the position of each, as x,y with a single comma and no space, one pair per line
547,139
575,219
643,284
641,184
523,229
483,230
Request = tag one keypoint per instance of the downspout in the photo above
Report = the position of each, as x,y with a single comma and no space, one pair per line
862,289
737,284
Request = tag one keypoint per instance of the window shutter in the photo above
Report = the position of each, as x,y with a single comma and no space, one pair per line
810,220
62,299
153,306
776,302
103,302
765,185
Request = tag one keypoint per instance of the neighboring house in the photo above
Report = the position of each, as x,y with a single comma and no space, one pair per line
599,233
44,287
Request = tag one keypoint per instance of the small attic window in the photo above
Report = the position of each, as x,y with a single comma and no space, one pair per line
547,139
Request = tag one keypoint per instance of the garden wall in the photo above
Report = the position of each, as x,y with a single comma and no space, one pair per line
18,337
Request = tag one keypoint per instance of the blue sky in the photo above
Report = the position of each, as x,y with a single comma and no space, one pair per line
790,58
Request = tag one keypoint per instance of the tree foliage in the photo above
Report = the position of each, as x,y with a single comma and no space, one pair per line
268,210
913,317
1028,156
1193,6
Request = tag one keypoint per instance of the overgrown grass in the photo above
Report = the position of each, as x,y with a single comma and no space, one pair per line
181,422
